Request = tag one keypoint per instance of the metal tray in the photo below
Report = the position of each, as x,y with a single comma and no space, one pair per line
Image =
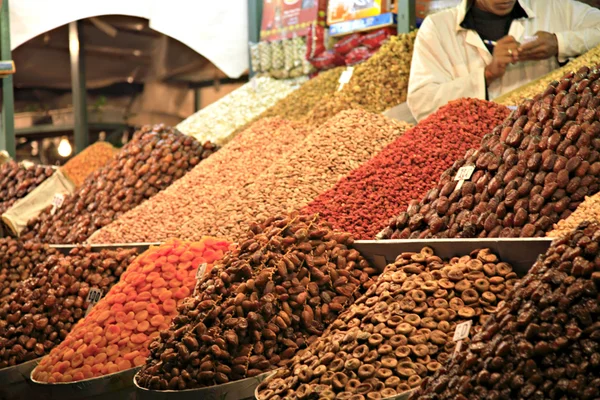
66,248
520,253
237,390
117,386
15,382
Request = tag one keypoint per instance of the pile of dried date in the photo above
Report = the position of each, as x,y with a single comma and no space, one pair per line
259,305
400,331
155,157
529,173
41,312
17,260
17,181
544,340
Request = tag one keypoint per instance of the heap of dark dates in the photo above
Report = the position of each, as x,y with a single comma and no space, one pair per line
17,181
155,157
400,331
273,295
17,260
530,172
544,340
42,310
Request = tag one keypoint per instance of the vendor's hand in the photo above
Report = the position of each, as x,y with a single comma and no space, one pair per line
545,46
506,52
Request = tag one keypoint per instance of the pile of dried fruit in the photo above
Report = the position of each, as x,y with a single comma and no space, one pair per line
41,312
532,171
363,202
530,90
115,336
261,303
90,159
17,260
17,181
589,210
376,85
155,157
218,122
205,189
400,332
543,341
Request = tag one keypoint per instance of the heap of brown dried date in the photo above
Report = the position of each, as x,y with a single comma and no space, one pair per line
260,304
17,260
17,181
41,312
150,162
400,331
544,340
532,171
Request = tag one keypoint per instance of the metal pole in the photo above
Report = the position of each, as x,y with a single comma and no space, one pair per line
7,132
254,22
406,16
76,50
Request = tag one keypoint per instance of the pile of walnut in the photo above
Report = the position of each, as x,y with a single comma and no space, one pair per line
400,332
532,171
544,341
259,305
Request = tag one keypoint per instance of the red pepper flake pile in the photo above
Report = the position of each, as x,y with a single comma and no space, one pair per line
363,202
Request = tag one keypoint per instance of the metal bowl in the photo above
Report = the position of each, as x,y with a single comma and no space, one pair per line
15,381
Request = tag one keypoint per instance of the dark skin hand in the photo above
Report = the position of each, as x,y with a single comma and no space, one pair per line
506,52
544,47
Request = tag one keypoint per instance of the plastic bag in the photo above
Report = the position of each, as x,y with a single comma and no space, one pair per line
375,39
358,55
277,55
327,60
347,44
264,51
315,42
255,57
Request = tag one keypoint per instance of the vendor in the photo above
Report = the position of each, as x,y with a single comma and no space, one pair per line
484,48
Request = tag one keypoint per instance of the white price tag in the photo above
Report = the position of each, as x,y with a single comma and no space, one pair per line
457,349
464,173
93,297
345,77
462,331
254,83
57,202
201,270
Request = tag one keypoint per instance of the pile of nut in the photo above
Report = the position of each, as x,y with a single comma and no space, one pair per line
400,331
260,304
90,159
589,210
205,189
44,308
17,260
219,122
530,172
363,202
376,85
17,181
530,90
155,157
544,340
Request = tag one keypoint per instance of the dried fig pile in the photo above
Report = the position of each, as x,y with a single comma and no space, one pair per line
41,312
363,202
400,331
544,340
17,181
155,157
17,260
206,188
530,172
260,304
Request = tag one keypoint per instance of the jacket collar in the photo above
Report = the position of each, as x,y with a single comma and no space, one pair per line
464,6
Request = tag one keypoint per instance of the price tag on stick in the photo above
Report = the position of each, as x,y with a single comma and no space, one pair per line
463,174
57,202
93,298
199,274
345,77
460,334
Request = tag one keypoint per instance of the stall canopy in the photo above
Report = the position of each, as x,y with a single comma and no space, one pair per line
216,30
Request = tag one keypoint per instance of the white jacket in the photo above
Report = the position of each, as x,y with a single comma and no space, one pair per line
449,61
